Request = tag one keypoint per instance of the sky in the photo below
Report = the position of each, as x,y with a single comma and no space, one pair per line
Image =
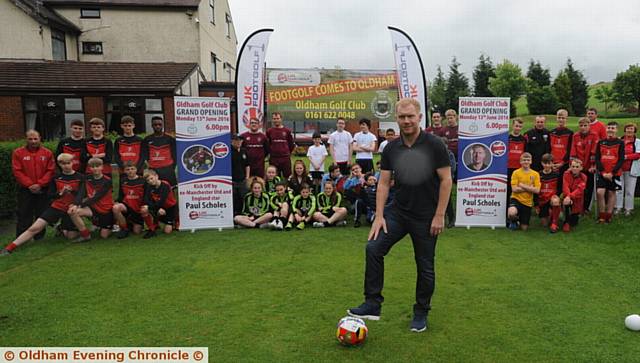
601,37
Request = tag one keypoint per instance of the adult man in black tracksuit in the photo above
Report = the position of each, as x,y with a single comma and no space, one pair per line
537,143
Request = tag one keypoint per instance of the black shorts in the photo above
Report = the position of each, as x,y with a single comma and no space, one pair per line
544,210
168,174
316,175
365,164
345,168
169,217
133,217
53,215
524,212
328,213
102,220
611,185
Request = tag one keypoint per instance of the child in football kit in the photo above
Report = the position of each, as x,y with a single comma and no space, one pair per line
573,186
329,210
272,179
63,190
298,178
280,206
609,160
126,211
98,146
255,209
159,204
94,201
525,182
303,206
548,200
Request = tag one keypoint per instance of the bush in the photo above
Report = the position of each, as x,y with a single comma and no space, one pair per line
8,185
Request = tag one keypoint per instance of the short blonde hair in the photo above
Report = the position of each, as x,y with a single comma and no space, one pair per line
525,155
93,162
563,112
409,101
148,173
583,120
64,158
451,112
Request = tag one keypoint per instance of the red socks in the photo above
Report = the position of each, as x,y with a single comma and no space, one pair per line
12,246
148,220
85,233
555,214
123,226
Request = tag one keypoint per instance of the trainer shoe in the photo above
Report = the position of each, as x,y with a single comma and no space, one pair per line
288,226
341,223
627,212
300,226
265,225
149,234
419,323
365,311
553,228
318,225
273,224
123,233
82,239
513,226
279,225
5,252
566,227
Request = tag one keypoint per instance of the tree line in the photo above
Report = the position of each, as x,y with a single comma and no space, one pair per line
569,89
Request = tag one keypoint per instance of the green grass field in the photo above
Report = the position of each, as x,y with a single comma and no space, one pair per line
264,296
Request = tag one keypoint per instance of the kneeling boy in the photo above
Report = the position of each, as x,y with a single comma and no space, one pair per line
159,204
127,211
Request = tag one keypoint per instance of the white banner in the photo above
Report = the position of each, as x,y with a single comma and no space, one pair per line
250,78
483,135
409,70
203,143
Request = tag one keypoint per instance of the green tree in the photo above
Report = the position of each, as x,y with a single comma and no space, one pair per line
457,85
539,76
481,74
542,100
579,89
437,92
508,82
606,95
626,87
562,86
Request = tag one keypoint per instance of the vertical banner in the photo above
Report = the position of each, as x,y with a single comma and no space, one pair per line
250,78
203,145
483,135
409,70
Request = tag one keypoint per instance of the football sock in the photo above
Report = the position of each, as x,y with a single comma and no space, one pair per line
123,226
12,246
555,214
85,233
148,220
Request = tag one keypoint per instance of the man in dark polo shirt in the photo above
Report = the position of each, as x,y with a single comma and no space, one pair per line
239,172
420,166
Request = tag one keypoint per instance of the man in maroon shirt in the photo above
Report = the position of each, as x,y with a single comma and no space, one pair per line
436,127
281,145
257,146
33,168
451,131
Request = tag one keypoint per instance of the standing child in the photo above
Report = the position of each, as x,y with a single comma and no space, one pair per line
364,144
280,206
525,182
94,202
548,200
303,206
330,212
517,143
609,159
573,185
272,179
317,153
255,210
560,142
74,144
298,178
159,204
126,211
63,190
128,147
160,150
98,146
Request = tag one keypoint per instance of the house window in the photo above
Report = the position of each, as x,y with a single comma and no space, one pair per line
91,47
228,25
229,70
52,115
142,109
90,13
214,67
212,12
58,45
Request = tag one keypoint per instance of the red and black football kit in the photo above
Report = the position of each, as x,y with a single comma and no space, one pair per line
160,152
549,186
156,197
31,166
517,146
560,141
97,195
101,146
583,147
609,159
257,146
132,196
63,191
77,148
129,148
281,146
574,187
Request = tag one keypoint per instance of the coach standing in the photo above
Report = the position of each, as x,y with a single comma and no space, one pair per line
420,165
33,168
280,145
257,147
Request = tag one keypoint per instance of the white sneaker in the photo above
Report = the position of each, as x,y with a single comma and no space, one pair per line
279,225
115,228
273,224
341,223
318,225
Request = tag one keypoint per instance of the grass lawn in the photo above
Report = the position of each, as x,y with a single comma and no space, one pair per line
255,295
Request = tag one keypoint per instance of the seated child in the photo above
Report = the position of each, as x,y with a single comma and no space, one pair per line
353,192
369,194
158,205
280,206
126,211
329,212
271,179
255,209
303,207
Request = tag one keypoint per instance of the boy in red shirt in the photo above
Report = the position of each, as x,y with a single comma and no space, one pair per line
159,149
159,204
609,159
560,140
98,146
517,143
74,145
128,147
94,201
126,211
573,185
583,148
548,200
63,190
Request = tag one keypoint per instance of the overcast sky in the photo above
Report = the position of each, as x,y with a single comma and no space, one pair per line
601,37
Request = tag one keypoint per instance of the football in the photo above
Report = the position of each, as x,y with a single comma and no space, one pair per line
351,331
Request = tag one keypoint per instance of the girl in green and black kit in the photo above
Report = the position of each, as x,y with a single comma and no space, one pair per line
329,212
303,206
256,208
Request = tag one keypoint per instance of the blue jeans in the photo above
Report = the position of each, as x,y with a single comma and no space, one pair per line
424,246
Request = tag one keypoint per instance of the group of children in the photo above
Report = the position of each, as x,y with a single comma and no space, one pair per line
146,197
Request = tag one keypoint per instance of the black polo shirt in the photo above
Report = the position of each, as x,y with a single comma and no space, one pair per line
239,161
415,172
